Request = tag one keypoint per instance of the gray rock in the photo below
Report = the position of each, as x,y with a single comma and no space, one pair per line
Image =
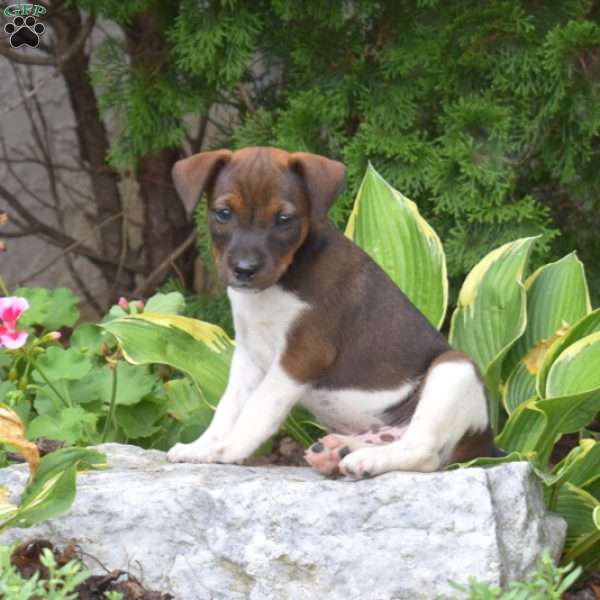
228,532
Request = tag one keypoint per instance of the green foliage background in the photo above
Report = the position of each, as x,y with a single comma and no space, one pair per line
487,114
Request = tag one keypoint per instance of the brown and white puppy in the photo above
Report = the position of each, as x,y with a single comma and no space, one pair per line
318,323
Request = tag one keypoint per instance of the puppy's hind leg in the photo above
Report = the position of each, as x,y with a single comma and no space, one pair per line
452,404
325,454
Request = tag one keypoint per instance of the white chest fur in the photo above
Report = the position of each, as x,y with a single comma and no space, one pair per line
262,321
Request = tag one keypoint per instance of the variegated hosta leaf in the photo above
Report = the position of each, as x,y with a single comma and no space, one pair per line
389,227
13,432
52,490
520,386
491,312
7,509
200,349
577,369
581,467
490,461
537,424
524,428
557,297
582,513
586,326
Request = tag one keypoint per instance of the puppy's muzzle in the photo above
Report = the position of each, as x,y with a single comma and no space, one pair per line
245,269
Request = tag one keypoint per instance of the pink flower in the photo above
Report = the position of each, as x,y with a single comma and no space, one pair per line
11,308
123,303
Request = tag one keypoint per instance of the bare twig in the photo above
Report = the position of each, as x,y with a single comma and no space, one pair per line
34,160
29,94
58,238
67,250
163,267
83,288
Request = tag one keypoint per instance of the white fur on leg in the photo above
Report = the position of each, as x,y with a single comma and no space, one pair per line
452,403
244,378
261,416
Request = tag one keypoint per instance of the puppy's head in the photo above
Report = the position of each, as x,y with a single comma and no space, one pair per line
262,203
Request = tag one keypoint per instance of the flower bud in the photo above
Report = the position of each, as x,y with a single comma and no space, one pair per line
52,336
123,303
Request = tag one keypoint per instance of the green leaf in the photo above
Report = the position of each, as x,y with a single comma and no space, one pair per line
584,327
172,303
390,229
52,309
68,425
201,350
133,383
5,388
520,386
581,511
95,386
88,338
57,363
492,461
524,429
581,467
52,490
576,369
537,424
140,420
491,313
186,404
557,296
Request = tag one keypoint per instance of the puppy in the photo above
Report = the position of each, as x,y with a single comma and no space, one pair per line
317,322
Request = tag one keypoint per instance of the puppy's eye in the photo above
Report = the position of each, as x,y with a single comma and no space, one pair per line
223,215
282,219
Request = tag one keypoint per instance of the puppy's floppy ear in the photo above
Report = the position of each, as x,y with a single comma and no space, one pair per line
324,179
194,175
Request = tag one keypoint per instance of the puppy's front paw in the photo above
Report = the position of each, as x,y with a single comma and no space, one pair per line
194,453
364,462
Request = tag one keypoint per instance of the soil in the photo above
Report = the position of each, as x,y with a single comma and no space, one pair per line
26,559
285,452
588,589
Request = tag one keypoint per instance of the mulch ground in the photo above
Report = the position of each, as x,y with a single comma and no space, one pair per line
26,559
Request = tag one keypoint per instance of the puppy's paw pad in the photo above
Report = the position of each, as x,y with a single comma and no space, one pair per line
325,455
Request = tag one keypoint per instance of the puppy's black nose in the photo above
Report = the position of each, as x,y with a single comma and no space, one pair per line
245,269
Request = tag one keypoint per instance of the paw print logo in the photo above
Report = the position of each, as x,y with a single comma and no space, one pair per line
24,31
